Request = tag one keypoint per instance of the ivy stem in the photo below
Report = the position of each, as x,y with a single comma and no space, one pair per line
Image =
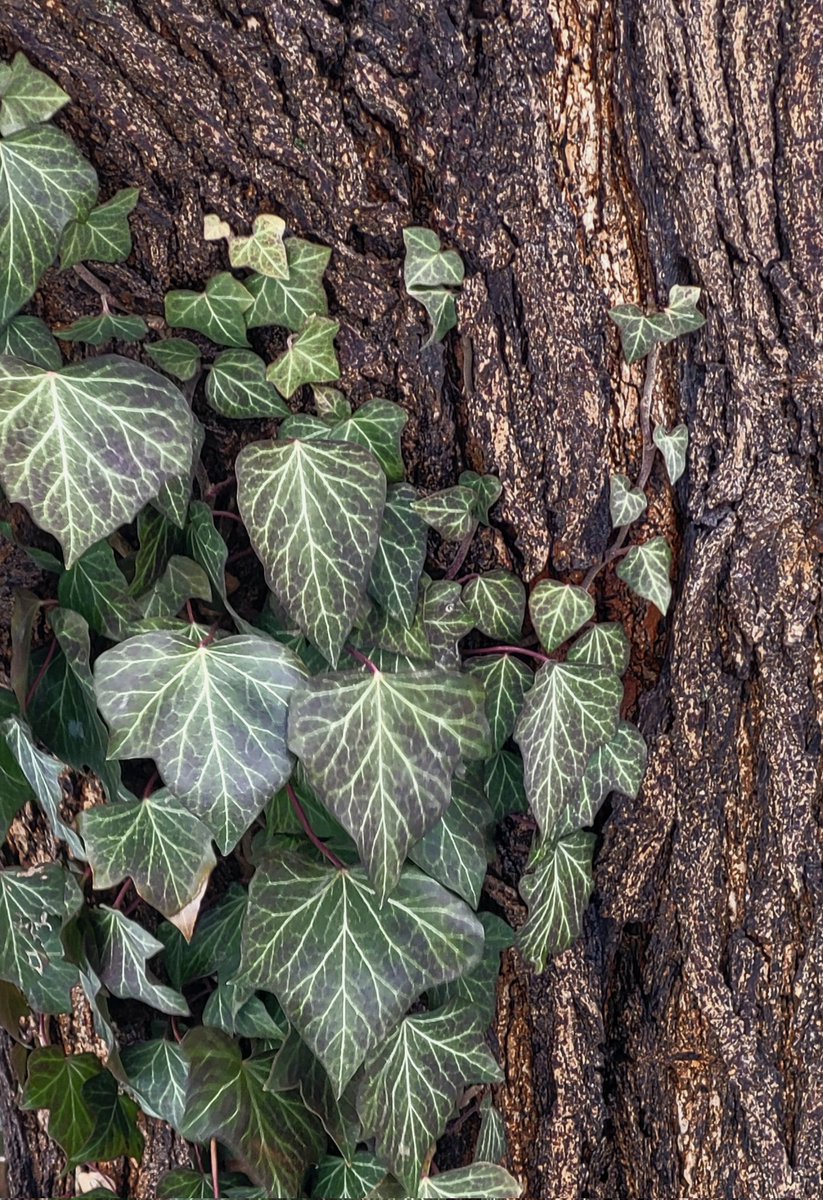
32,692
98,286
224,512
43,1029
216,488
300,813
460,556
209,638
364,659
178,1037
238,554
215,1169
543,658
121,895
190,613
154,779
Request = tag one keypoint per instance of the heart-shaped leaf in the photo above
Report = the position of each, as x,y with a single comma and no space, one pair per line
296,1066
556,888
557,611
217,312
626,503
377,425
487,491
104,327
34,907
640,331
604,645
673,445
237,387
176,356
426,264
616,766
103,235
454,850
646,570
96,588
504,784
331,404
158,1071
290,302
505,682
479,1179
394,580
31,339
263,250
497,601
451,512
29,97
311,358
119,952
342,1179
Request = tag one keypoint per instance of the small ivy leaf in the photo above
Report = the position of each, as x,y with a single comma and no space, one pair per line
55,1081
119,951
477,988
291,302
31,339
604,645
84,448
158,538
311,358
347,1179
237,387
454,850
413,1082
29,97
491,1140
426,264
43,773
445,619
263,250
173,498
441,308
217,312
504,784
34,907
331,404
103,235
377,425
556,887
296,1066
214,948
626,503
313,512
212,716
103,327
181,580
487,490
640,331
569,712
380,751
305,426
646,570
371,967
157,1072
176,356
505,681
557,611
673,446
616,766
401,552
227,1010
157,843
272,1134
451,512
497,601
480,1179
44,183
115,1132
96,588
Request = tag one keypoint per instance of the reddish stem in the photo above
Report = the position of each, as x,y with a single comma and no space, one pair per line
364,659
178,1037
190,613
215,1169
154,779
209,638
240,554
222,512
121,895
460,556
32,692
544,658
309,832
216,488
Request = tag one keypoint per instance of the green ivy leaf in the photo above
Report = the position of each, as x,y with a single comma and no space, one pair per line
451,512
556,887
445,619
313,513
401,552
604,645
103,235
640,331
454,850
227,1010
616,766
263,250
85,447
217,312
296,1066
342,1179
491,1140
173,498
646,570
377,425
497,601
115,1126
157,1071
344,985
331,405
158,538
31,339
626,503
505,681
380,751
29,97
237,387
305,426
291,302
569,712
673,445
215,947
504,785
181,580
96,588
43,775
428,273
480,1179
176,356
413,1082
311,358
212,716
557,611
103,327
15,790
182,1184
34,907
487,491
119,952
477,988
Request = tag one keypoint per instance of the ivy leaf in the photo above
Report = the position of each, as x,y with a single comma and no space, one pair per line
616,766
313,513
56,1081
344,985
227,1010
479,1179
568,713
296,1066
15,790
173,498
182,1184
34,906
377,425
342,1179
121,948
380,751
217,312
84,448
477,988
157,1070
272,1134
450,512
181,580
44,183
626,503
557,611
413,1082
427,265
505,681
640,331
487,491
291,302
331,405
31,339
43,775
214,948
454,850
103,235
157,843
673,446
96,588
556,888
604,645
30,97
305,426
212,716
263,250
445,619
646,570
311,358
176,356
401,552
158,538
104,327
237,387
115,1127
504,785
497,601
491,1140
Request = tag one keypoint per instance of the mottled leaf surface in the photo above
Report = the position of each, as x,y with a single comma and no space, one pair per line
626,503
96,588
454,850
394,580
104,327
296,1066
604,645
342,1179
103,235
673,445
157,1070
497,601
29,96
505,680
34,906
450,512
237,387
121,949
291,302
218,312
311,358
31,339
557,611
177,356
485,1180
616,766
556,887
640,331
646,570
504,784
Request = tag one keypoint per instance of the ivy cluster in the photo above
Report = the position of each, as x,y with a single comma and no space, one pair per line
319,1004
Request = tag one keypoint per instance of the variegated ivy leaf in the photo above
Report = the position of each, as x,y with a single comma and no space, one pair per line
401,552
428,273
557,611
479,1179
96,588
15,790
646,570
182,1184
217,312
347,1179
504,784
103,327
119,951
477,988
227,1009
262,250
413,1082
673,446
157,538
313,512
380,751
34,907
454,850
331,405
305,426
491,1140
604,645
43,774
626,503
176,356
497,601
215,947
103,235
29,97
211,714
272,1134
440,305
344,984
157,1072
556,887
450,512
377,425
569,712
310,358
487,491
173,498
157,843
31,339
44,183
291,302
616,766
84,448
296,1066
640,331
237,387
505,682
181,580
445,619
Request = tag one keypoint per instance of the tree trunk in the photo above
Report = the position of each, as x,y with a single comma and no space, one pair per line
577,154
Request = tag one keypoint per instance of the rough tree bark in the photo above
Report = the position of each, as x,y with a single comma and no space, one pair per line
577,153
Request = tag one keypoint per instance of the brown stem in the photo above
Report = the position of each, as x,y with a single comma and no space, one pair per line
121,895
309,832
154,779
209,638
215,1169
364,659
98,286
460,556
40,675
224,512
543,658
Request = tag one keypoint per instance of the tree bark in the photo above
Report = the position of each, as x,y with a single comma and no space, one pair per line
577,153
